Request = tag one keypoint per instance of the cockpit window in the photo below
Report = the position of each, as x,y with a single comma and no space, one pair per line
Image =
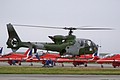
81,43
89,43
109,55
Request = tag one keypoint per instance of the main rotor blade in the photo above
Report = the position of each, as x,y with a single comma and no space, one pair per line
38,26
67,28
92,28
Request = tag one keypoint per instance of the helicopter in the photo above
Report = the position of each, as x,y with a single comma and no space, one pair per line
68,44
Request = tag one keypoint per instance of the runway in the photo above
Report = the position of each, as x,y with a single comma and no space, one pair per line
57,77
90,65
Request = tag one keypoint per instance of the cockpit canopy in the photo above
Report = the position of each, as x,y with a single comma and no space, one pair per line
110,55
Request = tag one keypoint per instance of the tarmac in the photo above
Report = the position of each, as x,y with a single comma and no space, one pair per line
58,77
89,65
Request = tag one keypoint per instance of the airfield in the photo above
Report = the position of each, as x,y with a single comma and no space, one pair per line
57,77
59,65
38,76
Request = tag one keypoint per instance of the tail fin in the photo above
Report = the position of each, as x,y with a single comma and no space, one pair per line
1,50
28,53
37,56
13,40
96,56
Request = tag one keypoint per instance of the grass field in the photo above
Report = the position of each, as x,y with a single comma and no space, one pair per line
75,71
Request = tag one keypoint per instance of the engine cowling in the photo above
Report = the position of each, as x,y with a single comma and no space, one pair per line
57,39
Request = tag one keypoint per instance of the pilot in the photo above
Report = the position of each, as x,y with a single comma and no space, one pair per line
46,63
50,63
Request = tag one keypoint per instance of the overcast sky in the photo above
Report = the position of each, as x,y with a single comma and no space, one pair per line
75,13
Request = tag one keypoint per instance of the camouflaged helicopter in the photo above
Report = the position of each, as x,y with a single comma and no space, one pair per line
68,44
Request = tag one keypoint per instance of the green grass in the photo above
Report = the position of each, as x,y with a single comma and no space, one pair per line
39,70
